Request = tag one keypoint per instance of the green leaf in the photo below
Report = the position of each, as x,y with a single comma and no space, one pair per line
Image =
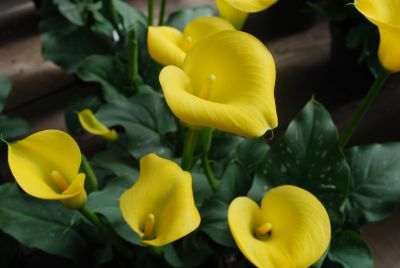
67,45
223,150
74,12
131,17
214,222
11,126
375,189
5,89
146,119
179,19
190,251
308,156
234,182
119,163
102,25
201,188
42,224
251,152
109,72
350,250
106,203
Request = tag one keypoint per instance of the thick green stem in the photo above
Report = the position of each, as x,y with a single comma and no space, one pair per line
209,173
163,7
150,12
133,59
192,135
116,241
90,175
363,108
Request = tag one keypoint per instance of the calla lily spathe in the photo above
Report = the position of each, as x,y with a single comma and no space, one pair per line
46,165
168,46
291,229
385,14
90,123
236,11
226,82
160,207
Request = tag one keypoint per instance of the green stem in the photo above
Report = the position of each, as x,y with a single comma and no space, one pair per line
192,135
363,107
163,7
116,241
150,12
133,59
90,175
112,15
209,173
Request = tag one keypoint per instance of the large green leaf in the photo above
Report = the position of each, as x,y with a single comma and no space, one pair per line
201,188
308,156
5,89
74,12
11,126
109,72
234,182
146,119
120,163
214,222
350,250
106,203
251,153
67,45
46,225
375,189
131,17
180,18
190,251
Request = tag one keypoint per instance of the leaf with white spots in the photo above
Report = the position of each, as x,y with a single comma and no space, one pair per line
308,156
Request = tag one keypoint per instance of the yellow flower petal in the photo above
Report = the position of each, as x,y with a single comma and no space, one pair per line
236,11
90,123
46,164
164,45
385,15
300,231
240,99
160,202
168,46
202,27
231,14
251,5
77,200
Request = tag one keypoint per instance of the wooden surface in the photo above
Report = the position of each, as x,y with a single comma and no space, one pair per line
303,69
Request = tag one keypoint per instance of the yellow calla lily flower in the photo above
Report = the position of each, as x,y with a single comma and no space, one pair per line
46,165
168,46
291,229
90,123
226,82
385,15
160,207
236,11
